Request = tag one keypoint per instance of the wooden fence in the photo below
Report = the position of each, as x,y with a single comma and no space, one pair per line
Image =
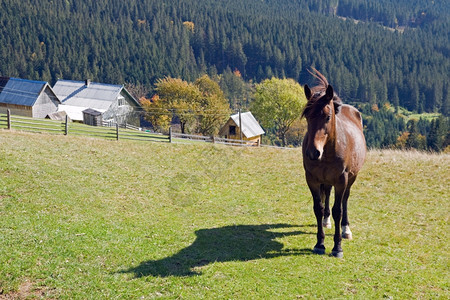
233,142
183,138
191,138
110,131
9,121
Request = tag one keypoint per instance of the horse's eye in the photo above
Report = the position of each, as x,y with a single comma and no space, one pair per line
328,118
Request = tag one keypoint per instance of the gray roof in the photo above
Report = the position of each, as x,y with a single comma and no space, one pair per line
91,112
20,91
250,126
95,95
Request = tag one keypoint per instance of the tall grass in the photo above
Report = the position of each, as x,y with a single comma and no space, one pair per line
84,218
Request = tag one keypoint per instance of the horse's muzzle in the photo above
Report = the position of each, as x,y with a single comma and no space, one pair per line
313,154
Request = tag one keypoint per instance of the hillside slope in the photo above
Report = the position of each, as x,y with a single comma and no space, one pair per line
141,41
89,218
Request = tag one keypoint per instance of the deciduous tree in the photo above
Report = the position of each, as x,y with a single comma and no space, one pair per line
156,113
181,97
278,103
215,108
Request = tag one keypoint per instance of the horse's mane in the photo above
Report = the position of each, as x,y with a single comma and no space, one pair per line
322,81
317,92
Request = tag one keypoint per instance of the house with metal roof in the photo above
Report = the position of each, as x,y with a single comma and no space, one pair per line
112,101
251,130
27,98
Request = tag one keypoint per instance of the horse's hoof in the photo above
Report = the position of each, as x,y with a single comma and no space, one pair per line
318,250
326,222
347,236
337,254
346,232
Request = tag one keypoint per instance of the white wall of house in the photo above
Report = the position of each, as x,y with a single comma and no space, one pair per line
45,104
121,111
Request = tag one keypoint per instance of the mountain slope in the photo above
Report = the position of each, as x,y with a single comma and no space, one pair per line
140,41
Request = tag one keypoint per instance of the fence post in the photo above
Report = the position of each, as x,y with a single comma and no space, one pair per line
240,125
117,131
170,134
213,139
8,116
66,126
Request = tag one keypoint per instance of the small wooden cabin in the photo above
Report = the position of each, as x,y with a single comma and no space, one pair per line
92,117
251,130
28,98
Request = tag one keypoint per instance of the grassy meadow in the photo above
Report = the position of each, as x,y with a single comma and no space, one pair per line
85,218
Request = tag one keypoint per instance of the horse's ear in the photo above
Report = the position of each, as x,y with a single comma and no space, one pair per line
307,92
329,93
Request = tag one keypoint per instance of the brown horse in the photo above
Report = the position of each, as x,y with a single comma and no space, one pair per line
334,150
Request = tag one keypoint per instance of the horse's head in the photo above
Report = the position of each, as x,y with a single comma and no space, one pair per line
320,113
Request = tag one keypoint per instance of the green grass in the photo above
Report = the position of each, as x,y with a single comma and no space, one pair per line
84,218
408,115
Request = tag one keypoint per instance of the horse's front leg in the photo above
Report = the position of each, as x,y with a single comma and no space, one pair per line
326,190
319,248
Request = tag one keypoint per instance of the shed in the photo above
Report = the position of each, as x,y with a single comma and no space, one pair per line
112,101
27,98
251,130
59,116
92,117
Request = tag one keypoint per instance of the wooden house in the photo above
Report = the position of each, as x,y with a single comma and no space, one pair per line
27,98
251,130
114,102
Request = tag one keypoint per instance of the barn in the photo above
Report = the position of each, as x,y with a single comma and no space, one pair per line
114,102
251,130
27,98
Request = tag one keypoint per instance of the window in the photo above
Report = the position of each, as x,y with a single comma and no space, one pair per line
232,130
121,101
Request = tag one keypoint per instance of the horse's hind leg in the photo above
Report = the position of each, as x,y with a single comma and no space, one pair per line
325,191
339,195
346,232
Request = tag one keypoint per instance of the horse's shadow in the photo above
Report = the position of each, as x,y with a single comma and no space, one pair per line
229,243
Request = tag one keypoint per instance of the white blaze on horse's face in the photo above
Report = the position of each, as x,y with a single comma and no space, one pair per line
322,129
319,128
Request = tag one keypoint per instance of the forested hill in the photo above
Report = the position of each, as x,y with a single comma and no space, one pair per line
372,51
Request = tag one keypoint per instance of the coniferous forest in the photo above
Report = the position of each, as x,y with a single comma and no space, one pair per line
373,52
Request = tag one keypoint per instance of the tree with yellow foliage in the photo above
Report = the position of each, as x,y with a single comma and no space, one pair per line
200,106
189,25
157,114
215,109
181,98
